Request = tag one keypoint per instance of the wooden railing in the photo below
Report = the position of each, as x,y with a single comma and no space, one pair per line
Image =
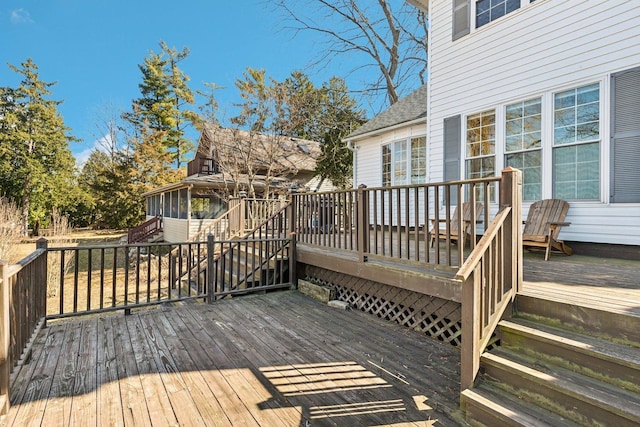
95,279
201,166
145,230
249,265
22,312
397,222
491,276
225,227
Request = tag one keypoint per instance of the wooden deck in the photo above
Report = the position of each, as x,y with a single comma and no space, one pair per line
278,359
602,283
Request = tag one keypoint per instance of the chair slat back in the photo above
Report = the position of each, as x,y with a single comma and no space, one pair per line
541,213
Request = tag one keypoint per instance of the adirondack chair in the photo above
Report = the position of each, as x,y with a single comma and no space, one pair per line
543,224
453,225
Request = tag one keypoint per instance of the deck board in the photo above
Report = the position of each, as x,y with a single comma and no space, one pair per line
601,283
279,359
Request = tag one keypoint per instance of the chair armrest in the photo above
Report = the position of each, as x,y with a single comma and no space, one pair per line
561,224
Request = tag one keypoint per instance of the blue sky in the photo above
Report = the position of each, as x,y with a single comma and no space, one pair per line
92,49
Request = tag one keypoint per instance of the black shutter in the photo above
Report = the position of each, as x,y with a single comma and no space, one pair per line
625,137
461,18
452,143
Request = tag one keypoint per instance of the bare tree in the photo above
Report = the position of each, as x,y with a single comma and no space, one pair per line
387,35
109,130
248,161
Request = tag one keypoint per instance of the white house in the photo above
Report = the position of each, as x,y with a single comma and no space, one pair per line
550,87
391,148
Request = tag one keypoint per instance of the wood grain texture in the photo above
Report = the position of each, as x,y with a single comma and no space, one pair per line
278,359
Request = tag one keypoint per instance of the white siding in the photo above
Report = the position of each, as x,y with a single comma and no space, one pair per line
543,47
368,168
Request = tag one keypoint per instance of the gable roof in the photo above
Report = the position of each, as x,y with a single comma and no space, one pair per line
228,145
409,108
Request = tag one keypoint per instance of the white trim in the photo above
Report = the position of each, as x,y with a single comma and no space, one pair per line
381,131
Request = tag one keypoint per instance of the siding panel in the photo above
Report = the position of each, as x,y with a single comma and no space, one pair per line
543,47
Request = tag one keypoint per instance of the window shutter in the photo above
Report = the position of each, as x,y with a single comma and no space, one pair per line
625,136
452,144
461,18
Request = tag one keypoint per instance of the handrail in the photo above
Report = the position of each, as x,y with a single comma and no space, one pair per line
484,296
23,297
395,222
216,225
144,230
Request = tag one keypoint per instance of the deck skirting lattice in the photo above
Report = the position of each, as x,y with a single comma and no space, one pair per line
436,317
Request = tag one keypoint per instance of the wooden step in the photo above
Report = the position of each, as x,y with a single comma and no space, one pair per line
614,363
567,393
620,326
493,407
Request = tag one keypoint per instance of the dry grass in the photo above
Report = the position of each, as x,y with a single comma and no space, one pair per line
93,279
106,277
10,229
83,237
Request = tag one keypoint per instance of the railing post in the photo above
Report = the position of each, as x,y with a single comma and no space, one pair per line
363,223
292,219
42,284
470,351
210,267
242,215
5,331
511,195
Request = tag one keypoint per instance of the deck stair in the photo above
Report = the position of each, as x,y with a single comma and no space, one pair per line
248,266
559,365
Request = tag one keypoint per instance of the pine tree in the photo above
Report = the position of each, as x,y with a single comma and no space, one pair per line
163,106
36,165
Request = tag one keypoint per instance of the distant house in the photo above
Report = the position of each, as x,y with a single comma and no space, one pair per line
549,87
232,163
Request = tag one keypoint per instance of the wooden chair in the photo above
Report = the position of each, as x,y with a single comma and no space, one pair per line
453,225
543,224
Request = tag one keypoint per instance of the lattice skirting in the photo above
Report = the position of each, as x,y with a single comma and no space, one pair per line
436,317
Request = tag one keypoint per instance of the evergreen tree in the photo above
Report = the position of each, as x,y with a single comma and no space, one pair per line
165,96
326,114
36,165
340,117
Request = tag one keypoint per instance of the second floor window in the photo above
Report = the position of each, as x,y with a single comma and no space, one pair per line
490,10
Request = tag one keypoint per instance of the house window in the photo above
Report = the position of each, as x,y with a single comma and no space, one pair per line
386,165
404,160
490,10
523,147
480,147
166,212
174,204
576,144
418,160
184,201
400,163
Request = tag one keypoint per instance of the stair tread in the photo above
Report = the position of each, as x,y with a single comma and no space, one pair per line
570,383
601,348
508,408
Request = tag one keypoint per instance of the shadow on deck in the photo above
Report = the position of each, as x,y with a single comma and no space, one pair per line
273,359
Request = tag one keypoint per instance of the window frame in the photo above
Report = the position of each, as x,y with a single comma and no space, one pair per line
522,150
555,148
390,162
464,17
